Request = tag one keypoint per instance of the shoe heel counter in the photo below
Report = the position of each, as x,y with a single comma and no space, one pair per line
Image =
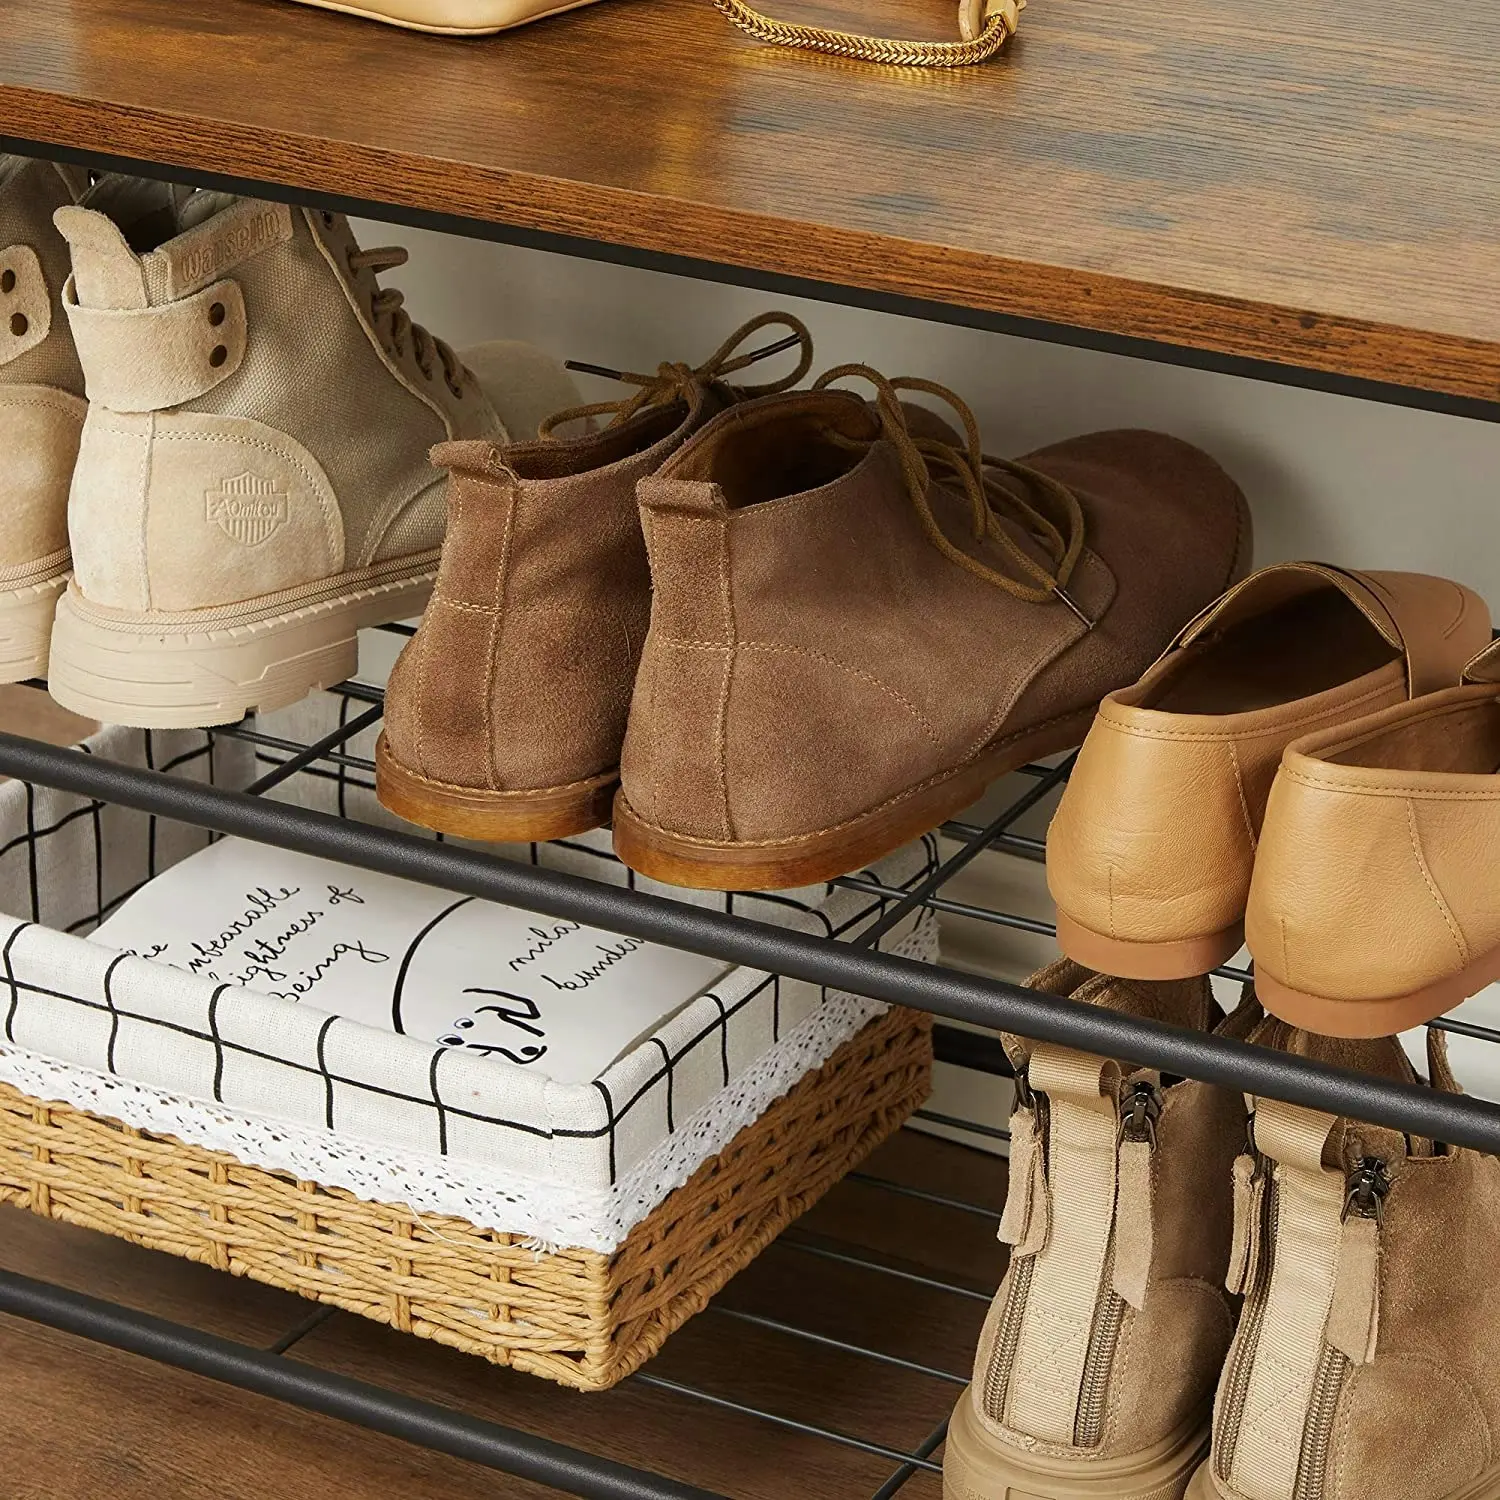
1311,922
1154,839
672,765
181,510
42,429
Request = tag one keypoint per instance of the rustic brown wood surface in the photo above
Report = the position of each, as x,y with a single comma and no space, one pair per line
86,1423
1316,185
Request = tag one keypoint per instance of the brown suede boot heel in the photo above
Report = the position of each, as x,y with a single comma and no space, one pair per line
859,621
1095,1371
506,710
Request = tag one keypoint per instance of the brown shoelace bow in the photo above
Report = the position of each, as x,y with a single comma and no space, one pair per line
1060,534
388,303
672,381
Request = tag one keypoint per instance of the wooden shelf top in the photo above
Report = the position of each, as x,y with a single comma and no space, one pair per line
1312,184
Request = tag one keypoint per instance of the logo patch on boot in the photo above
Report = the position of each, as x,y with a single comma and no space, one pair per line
249,509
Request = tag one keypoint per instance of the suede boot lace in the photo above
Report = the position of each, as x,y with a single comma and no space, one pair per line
387,303
674,381
1055,521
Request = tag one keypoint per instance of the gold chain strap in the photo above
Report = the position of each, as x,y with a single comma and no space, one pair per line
985,25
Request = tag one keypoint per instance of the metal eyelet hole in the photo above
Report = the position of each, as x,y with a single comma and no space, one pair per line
216,314
7,281
19,325
219,355
327,219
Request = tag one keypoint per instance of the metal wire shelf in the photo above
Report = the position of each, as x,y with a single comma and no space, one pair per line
945,992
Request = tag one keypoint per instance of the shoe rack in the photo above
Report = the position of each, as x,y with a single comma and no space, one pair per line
1297,194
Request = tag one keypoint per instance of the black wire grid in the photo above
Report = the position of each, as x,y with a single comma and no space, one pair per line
945,992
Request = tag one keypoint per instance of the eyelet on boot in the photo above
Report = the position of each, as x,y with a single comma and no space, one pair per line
7,282
19,324
216,315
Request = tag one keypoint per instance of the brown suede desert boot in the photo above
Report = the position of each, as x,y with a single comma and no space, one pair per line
1364,1365
1150,855
860,620
1374,905
505,712
1097,1365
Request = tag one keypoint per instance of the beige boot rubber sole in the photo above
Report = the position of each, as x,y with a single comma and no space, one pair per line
523,817
782,864
1184,959
190,671
26,616
976,1467
1376,1018
1486,1487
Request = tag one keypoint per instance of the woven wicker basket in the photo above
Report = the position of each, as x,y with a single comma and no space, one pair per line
579,1317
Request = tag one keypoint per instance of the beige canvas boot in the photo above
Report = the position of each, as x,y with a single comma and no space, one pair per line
252,485
1151,853
505,714
41,409
860,620
1096,1368
1365,1363
1374,907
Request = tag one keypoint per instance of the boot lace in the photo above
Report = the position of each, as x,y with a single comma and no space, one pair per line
675,380
387,303
1055,520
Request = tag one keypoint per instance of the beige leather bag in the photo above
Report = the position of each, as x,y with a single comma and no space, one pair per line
984,26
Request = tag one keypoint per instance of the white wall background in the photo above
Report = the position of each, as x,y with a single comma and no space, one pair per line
1358,483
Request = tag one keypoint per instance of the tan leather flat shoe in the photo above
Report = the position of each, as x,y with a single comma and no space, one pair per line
1374,905
1150,855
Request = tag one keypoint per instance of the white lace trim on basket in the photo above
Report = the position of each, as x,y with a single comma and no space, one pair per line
554,1214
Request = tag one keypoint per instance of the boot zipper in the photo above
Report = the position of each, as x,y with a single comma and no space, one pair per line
1008,1339
1369,1183
1140,1108
1242,1359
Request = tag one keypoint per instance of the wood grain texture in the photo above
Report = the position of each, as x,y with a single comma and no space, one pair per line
1314,185
86,1423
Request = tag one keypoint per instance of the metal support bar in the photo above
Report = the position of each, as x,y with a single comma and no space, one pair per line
334,1395
882,976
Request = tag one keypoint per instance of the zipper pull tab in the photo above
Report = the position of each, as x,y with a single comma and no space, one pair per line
1025,1224
1249,1215
1354,1317
1140,1109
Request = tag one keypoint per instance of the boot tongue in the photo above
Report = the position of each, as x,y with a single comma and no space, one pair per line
145,212
1382,1057
1188,1003
203,206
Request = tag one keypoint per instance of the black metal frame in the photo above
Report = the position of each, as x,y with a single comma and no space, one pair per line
942,991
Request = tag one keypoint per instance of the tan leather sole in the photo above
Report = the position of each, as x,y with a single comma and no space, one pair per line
1376,1018
1184,959
781,864
453,17
26,616
554,812
976,1467
194,669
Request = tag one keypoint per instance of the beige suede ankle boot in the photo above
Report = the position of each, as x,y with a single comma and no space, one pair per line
860,620
1096,1368
41,409
1365,1365
505,714
252,485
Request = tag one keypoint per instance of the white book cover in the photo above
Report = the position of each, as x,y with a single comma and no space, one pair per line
541,992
